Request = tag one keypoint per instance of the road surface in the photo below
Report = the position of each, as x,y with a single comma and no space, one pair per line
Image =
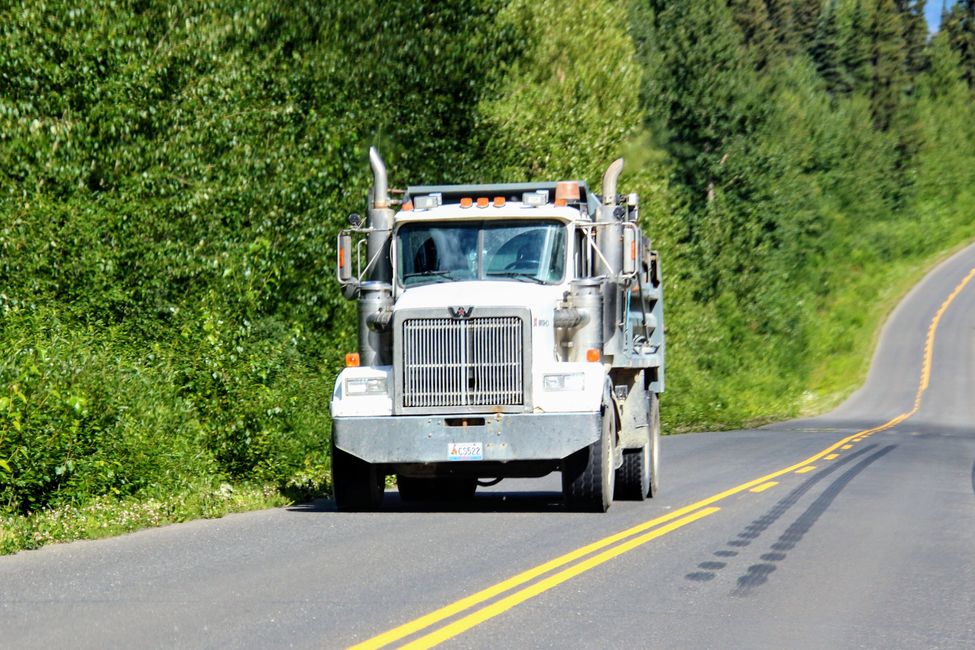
851,530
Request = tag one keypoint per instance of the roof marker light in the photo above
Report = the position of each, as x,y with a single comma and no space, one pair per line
482,201
560,203
568,190
427,202
466,202
499,201
535,199
406,207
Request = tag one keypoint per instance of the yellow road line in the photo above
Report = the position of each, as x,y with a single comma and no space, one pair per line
764,486
832,457
929,343
846,447
462,625
693,512
436,616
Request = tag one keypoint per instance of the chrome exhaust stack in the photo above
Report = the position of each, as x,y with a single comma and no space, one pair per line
376,292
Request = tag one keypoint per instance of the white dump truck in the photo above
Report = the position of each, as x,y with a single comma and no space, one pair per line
506,330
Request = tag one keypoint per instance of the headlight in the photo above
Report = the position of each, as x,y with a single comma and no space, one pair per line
575,382
365,386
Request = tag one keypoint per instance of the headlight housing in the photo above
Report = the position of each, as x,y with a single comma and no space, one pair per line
575,381
365,386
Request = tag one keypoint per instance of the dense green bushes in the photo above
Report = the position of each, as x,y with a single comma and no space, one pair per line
172,175
172,178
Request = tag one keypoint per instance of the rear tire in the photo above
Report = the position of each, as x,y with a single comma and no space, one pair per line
358,485
588,475
654,445
633,476
636,478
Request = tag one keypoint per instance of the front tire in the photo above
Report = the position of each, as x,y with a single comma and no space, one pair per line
358,485
588,475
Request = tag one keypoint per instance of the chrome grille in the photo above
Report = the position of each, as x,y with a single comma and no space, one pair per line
463,362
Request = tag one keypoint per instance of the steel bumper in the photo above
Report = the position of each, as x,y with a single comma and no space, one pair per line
428,438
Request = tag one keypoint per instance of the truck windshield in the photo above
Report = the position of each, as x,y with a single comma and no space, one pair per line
481,250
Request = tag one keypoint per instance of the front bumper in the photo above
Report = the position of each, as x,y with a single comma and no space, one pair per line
503,436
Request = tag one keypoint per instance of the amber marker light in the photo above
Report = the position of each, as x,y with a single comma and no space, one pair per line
466,202
499,201
352,360
592,355
482,202
560,203
407,207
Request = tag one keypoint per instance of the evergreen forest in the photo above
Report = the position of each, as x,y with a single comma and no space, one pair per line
173,174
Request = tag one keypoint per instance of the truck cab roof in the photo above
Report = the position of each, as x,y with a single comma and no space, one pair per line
512,194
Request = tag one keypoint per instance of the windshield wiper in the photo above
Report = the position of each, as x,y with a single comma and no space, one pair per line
424,274
516,275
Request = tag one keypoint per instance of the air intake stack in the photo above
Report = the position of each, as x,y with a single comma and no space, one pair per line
376,293
609,239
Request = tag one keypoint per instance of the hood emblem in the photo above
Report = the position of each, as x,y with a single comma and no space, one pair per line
460,312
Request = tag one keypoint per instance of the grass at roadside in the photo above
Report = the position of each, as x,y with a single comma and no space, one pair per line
855,316
107,516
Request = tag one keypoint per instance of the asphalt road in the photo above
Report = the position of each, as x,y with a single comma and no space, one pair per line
746,547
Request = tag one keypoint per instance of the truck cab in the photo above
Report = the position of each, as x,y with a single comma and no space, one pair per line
507,330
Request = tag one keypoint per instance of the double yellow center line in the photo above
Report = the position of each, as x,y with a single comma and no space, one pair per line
603,550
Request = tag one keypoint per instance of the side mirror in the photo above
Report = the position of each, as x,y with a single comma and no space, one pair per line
345,258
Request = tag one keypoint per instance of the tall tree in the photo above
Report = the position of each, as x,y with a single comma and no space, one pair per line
888,57
752,18
805,16
959,24
782,19
915,35
699,88
826,51
856,49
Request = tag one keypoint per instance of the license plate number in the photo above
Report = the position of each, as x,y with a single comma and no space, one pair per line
465,451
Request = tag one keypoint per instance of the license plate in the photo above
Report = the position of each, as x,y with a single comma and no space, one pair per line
465,451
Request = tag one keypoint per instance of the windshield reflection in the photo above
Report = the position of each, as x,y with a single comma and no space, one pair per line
480,250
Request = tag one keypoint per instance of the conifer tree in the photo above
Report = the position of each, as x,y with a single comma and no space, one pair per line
805,16
959,24
856,56
915,35
888,57
699,87
781,17
752,19
825,51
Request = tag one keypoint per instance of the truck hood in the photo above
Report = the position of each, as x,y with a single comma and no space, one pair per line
482,293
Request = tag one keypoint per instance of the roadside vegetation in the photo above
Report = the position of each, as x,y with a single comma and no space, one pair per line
172,176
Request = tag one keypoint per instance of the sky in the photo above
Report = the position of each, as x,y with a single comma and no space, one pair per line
932,11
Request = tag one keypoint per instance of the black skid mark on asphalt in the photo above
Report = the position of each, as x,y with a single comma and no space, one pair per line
758,574
701,576
754,530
